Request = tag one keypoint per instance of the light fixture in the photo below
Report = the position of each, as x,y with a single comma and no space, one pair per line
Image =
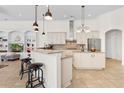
35,24
43,26
48,15
83,27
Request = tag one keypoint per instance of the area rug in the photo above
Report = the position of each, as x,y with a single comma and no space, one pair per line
2,66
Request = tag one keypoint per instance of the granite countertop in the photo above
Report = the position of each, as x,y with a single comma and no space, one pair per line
88,52
67,56
48,51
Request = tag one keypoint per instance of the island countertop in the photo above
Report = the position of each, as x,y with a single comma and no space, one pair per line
48,51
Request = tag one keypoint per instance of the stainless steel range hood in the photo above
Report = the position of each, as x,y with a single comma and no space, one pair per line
71,31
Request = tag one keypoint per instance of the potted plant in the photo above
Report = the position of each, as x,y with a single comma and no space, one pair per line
16,47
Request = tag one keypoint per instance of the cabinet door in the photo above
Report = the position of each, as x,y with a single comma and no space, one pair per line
81,38
98,60
93,34
77,59
86,61
66,71
56,37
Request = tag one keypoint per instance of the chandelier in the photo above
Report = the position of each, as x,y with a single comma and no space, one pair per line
83,27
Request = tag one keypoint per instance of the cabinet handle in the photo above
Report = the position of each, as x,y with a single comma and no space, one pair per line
92,55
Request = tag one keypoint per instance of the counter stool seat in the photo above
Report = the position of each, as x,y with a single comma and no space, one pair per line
35,66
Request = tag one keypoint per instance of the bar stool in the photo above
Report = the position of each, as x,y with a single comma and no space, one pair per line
35,76
25,62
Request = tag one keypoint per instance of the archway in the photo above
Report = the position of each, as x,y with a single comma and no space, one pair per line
113,44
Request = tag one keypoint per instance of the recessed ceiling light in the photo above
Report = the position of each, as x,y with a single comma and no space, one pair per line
20,14
65,15
89,15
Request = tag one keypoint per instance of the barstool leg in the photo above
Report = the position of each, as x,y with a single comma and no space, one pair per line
21,71
28,82
31,79
42,82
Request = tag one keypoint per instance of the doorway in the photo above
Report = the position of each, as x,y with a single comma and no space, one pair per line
113,44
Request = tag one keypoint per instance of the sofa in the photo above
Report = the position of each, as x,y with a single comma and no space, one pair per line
10,57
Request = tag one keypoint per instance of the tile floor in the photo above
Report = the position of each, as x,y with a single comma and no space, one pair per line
111,77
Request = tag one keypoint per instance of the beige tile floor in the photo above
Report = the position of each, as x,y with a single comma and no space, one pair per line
111,77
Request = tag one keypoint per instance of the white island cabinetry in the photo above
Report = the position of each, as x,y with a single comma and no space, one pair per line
66,71
88,60
57,67
52,66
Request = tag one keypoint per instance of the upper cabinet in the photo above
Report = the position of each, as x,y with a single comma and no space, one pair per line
93,34
56,37
82,36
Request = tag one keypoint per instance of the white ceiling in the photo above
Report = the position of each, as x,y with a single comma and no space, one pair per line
60,12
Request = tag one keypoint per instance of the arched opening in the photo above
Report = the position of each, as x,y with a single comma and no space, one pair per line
113,44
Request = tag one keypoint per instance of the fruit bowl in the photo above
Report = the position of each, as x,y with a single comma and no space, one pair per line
93,49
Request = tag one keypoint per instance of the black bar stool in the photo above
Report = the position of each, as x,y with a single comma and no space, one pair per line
35,76
25,62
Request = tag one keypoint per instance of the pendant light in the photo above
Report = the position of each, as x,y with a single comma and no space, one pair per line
83,27
43,26
48,14
35,24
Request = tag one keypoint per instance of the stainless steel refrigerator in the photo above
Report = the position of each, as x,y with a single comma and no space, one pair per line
94,43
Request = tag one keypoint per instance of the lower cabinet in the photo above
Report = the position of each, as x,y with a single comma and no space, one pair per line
66,71
89,60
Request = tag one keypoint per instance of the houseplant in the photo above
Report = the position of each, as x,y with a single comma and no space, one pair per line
16,47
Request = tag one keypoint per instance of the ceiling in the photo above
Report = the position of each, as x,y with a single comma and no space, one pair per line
60,12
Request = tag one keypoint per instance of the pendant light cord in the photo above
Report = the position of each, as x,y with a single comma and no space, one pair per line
36,13
43,22
82,15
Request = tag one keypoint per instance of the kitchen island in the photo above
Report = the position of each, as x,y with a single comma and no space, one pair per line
89,60
52,66
57,67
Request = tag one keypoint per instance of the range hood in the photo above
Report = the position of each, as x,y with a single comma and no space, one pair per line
71,31
71,43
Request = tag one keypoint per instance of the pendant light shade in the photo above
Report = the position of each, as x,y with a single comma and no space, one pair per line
36,29
35,24
83,27
48,15
43,33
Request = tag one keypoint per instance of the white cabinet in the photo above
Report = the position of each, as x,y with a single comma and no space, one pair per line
89,60
93,34
66,71
82,36
56,37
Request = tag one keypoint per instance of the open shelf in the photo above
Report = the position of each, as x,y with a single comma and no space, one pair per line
3,41
30,41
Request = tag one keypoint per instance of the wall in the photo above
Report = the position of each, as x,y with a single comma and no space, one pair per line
112,20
